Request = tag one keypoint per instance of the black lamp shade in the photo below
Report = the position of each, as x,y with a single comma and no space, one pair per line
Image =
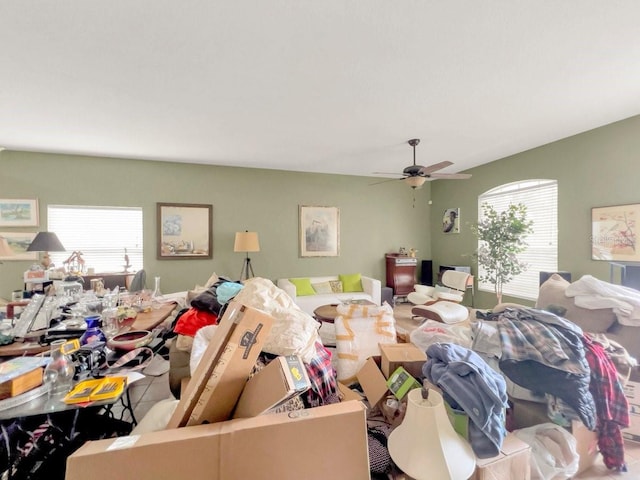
46,242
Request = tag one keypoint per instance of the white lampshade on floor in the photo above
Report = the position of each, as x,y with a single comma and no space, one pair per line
425,446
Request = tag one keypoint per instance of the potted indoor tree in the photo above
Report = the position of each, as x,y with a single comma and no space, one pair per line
502,237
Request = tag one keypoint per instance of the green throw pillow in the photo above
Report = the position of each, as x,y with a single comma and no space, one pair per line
303,286
351,283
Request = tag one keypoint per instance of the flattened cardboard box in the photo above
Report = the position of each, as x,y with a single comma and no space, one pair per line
407,355
267,447
282,379
224,368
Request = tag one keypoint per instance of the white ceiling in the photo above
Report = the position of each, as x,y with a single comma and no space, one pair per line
332,86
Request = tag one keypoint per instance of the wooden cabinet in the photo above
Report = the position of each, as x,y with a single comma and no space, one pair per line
401,273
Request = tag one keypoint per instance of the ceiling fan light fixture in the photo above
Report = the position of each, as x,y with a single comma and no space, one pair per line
415,182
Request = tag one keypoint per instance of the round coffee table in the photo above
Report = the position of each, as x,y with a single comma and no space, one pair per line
326,313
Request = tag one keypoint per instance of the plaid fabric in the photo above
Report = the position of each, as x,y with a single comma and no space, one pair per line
528,334
544,353
612,407
324,383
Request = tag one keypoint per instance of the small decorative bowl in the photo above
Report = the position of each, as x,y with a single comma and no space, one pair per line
130,340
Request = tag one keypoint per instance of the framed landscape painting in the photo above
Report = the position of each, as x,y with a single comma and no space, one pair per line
184,231
18,212
319,231
19,242
614,233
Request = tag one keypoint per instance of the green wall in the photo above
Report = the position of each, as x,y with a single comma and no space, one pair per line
594,169
374,220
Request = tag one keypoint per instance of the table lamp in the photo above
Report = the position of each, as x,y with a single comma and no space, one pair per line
46,242
425,445
246,242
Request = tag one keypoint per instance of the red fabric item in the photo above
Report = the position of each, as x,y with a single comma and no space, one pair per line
193,320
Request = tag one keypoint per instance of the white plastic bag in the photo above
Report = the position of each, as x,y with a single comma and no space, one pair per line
553,451
433,332
200,342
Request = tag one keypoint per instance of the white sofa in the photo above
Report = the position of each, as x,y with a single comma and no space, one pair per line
308,303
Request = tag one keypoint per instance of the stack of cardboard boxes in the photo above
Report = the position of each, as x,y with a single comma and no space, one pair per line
203,442
219,429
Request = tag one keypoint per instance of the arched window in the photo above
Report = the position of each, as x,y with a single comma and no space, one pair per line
541,199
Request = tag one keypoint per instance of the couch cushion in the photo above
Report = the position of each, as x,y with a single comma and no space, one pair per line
303,286
322,288
552,297
351,282
336,286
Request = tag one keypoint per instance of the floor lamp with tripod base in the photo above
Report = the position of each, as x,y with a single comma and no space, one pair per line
246,242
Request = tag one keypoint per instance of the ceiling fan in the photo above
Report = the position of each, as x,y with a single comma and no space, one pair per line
415,175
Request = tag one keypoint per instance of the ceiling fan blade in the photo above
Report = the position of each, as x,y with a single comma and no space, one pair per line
386,173
451,176
385,181
432,168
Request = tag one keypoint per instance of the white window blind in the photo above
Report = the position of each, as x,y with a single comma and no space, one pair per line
541,199
101,233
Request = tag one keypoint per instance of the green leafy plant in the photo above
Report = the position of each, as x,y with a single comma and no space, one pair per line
502,237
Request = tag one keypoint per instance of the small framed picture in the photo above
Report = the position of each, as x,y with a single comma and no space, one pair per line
319,231
451,220
19,242
19,212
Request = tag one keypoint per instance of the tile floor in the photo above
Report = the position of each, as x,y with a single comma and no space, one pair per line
146,392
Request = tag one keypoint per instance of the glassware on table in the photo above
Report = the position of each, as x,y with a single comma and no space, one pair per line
110,325
93,332
156,296
59,372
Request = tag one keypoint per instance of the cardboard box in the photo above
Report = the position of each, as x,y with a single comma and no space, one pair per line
407,355
33,276
372,381
632,392
224,368
400,383
267,447
282,379
346,393
513,461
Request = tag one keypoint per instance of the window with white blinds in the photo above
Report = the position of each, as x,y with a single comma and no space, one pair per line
101,233
541,255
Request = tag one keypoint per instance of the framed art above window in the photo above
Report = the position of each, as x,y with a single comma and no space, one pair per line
184,231
319,231
614,233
